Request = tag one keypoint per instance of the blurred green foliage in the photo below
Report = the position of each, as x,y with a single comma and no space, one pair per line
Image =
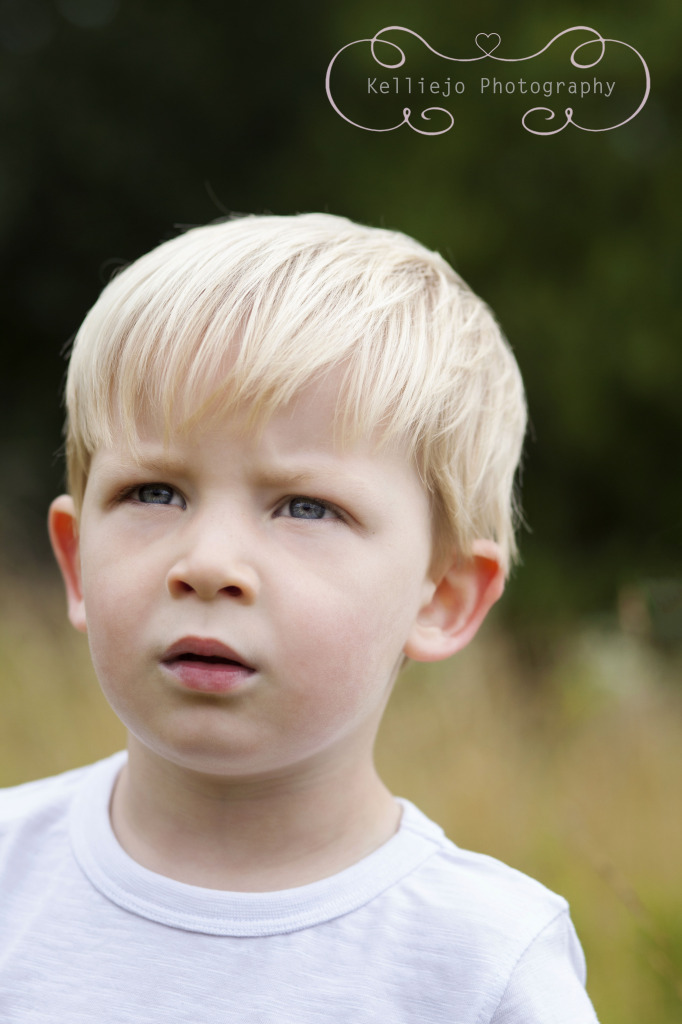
121,120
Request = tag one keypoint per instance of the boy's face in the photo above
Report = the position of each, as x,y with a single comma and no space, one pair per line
248,599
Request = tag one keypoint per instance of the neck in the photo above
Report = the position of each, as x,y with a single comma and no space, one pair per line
250,834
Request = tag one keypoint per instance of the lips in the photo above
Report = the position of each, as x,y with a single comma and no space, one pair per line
206,665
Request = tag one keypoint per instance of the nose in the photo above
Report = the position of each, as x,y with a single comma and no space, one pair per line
211,563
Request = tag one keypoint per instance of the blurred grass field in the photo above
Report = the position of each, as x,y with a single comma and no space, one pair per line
568,767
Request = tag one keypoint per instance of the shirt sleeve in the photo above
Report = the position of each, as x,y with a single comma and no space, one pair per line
547,985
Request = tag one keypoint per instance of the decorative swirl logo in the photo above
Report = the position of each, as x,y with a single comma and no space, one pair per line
487,43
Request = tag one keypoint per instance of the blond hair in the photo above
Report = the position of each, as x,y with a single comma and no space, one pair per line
246,311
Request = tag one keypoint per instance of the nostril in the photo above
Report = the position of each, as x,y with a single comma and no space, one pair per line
208,577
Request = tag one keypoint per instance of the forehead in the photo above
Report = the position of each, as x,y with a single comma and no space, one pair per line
311,424
317,414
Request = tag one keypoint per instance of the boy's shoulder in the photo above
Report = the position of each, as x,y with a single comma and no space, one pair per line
478,890
486,927
41,802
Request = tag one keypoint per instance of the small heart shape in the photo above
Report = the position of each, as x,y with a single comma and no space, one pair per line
494,36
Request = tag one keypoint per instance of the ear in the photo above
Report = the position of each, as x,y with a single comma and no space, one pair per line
462,599
63,529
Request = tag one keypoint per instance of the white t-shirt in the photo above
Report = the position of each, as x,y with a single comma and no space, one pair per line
419,932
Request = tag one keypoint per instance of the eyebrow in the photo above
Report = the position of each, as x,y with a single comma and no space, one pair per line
277,477
262,475
161,464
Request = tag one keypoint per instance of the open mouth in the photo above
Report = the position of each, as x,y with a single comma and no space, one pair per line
208,659
208,666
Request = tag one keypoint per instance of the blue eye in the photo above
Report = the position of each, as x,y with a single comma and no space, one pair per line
306,508
156,494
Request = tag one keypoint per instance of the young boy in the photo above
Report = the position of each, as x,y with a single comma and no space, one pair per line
291,449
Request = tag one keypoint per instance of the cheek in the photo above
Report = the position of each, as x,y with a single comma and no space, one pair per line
349,630
111,642
115,607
